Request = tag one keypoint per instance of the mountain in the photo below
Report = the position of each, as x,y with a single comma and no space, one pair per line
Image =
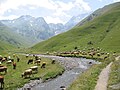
57,28
74,20
10,39
35,29
101,31
60,28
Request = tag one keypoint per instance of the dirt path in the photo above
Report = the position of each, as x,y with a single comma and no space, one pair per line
103,78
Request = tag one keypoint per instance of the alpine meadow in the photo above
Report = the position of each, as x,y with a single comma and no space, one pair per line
60,45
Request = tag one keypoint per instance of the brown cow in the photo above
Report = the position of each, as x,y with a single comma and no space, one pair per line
34,68
27,73
3,69
37,61
2,82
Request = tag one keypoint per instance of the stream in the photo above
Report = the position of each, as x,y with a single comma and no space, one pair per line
73,68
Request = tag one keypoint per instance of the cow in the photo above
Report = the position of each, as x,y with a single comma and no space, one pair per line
63,87
30,61
18,59
3,59
14,65
27,73
53,61
27,56
37,61
105,57
3,69
2,82
43,65
9,62
34,68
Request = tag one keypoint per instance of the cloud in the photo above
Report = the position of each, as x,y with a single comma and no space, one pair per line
73,8
55,20
100,0
116,0
82,4
15,4
11,17
59,8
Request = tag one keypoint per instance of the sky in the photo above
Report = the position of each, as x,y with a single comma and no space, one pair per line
53,11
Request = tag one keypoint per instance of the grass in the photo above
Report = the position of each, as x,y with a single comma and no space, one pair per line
103,31
13,77
9,39
88,80
114,77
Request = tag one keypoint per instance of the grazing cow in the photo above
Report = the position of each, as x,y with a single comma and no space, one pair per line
30,61
53,62
9,62
9,57
14,55
27,56
3,69
37,61
105,57
91,55
90,62
98,54
18,59
14,65
62,87
27,73
12,59
43,65
36,57
3,59
34,68
2,82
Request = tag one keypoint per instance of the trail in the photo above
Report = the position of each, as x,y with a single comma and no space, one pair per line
103,78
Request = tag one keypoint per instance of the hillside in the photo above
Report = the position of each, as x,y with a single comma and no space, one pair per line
10,40
102,31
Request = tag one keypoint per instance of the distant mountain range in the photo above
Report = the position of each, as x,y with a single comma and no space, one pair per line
36,29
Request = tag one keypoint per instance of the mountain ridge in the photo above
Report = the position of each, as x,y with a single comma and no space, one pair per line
37,29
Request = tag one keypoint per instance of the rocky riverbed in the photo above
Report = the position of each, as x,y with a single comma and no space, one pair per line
73,68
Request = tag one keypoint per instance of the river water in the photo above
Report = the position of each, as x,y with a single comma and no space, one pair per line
73,68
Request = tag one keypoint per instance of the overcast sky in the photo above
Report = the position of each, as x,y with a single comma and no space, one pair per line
53,11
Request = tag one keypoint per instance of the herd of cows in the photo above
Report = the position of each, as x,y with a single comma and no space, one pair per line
92,52
27,73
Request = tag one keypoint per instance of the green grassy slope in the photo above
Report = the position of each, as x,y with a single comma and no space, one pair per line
98,13
103,31
9,39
